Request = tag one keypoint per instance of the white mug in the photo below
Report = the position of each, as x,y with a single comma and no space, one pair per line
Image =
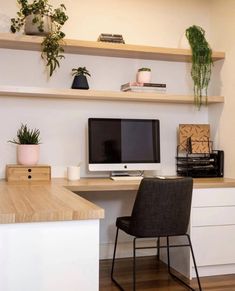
73,173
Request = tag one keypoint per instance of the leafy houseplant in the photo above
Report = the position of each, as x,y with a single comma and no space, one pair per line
80,80
27,141
143,75
39,13
201,62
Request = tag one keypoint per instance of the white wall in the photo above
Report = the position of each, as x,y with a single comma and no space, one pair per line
63,124
223,24
153,22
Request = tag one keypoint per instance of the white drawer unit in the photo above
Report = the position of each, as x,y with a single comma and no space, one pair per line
213,197
212,230
208,216
214,245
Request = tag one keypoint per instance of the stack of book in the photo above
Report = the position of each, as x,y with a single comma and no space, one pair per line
144,87
107,37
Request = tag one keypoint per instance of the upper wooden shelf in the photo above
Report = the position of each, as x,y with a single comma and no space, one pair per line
38,92
26,42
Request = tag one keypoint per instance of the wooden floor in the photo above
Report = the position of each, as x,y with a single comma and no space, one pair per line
152,275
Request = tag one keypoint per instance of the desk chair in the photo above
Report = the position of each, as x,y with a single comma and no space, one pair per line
161,209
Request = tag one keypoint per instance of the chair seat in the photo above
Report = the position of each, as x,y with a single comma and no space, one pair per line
124,223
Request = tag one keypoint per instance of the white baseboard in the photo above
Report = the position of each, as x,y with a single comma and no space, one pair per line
214,270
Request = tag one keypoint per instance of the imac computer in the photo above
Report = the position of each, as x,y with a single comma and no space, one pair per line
122,145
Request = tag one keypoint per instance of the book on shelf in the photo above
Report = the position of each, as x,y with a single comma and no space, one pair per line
146,90
144,87
108,37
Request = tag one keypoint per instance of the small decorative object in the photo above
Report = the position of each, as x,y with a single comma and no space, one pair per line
195,138
80,80
39,18
28,173
201,62
144,75
73,173
27,145
108,37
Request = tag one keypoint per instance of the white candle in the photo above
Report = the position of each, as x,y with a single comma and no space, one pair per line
73,173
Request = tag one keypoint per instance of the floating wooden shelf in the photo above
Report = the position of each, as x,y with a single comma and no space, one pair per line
36,92
25,42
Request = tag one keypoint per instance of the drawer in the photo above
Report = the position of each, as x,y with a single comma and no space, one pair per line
213,197
214,245
23,173
213,216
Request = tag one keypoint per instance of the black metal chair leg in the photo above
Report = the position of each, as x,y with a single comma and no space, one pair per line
113,262
194,262
169,268
134,264
168,255
158,248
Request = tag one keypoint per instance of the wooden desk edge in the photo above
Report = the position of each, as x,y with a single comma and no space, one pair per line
106,184
62,191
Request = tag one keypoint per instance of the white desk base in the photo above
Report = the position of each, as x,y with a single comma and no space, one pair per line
50,256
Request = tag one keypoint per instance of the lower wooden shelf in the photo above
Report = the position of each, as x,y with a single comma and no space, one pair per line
38,92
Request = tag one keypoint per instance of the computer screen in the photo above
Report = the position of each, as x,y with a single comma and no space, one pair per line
123,144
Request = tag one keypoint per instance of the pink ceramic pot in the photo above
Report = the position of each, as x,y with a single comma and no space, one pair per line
143,77
28,154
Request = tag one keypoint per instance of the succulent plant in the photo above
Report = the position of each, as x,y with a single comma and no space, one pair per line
26,135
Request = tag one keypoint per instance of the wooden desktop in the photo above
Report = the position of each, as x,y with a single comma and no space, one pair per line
51,231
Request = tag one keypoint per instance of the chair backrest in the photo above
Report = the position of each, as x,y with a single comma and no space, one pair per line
162,207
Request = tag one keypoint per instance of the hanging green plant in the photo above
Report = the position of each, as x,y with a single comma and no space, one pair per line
39,18
201,62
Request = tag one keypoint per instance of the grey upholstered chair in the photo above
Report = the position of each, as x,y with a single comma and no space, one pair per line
161,209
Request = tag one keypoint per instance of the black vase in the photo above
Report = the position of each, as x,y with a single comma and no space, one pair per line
80,82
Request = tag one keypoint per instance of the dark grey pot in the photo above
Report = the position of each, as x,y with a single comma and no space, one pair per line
80,82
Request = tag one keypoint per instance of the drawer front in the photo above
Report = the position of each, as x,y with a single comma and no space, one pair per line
28,173
214,245
213,216
213,197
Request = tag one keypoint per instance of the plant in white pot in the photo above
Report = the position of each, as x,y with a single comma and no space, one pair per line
144,75
28,145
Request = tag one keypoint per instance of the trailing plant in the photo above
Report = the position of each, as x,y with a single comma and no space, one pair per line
144,69
27,136
52,51
201,62
51,45
80,71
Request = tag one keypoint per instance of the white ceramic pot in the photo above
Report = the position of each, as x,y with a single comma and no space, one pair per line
28,154
32,29
143,77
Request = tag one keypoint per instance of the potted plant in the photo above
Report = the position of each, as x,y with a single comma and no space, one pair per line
80,80
28,147
201,62
144,75
39,18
